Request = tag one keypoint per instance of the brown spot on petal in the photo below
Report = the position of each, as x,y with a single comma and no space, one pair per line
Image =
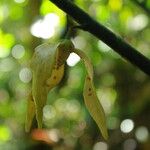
89,89
88,78
90,94
54,77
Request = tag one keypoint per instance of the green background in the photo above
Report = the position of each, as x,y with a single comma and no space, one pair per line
123,90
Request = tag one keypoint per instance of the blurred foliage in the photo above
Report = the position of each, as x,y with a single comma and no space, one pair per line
122,88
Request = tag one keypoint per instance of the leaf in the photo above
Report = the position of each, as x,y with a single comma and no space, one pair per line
63,51
30,113
86,60
41,65
47,67
91,100
94,106
56,76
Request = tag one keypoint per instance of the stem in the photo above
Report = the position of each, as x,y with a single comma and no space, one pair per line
104,34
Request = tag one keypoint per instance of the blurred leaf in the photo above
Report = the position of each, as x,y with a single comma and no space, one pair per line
49,7
16,12
5,134
102,13
6,42
115,5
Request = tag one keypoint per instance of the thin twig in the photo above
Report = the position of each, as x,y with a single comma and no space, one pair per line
104,34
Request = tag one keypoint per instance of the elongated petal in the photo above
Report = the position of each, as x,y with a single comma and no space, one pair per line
47,67
94,106
91,100
30,113
86,60
41,65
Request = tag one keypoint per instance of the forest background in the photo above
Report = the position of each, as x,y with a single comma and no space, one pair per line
122,88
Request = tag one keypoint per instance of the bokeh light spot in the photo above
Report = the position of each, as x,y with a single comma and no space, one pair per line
73,59
53,135
73,109
107,98
127,125
45,28
18,51
25,75
138,22
130,144
49,112
60,104
142,134
100,146
19,1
